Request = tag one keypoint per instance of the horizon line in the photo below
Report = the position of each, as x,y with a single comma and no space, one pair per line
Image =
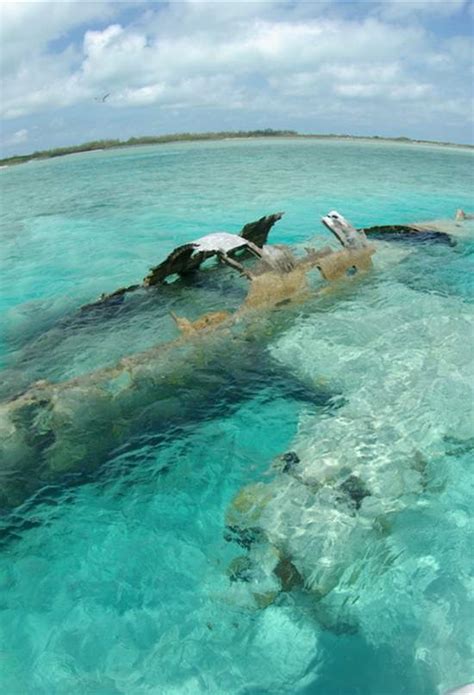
134,141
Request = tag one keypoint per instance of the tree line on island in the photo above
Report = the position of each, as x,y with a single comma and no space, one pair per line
189,137
146,140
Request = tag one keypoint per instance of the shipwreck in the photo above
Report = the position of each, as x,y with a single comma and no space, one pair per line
52,433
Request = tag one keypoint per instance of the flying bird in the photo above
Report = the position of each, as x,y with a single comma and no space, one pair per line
102,99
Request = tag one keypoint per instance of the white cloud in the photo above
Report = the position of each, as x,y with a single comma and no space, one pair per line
402,9
26,28
409,90
127,61
286,56
17,138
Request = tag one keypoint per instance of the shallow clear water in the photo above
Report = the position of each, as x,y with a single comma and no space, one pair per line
121,584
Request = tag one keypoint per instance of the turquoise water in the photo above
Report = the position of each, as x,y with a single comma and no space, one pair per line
121,584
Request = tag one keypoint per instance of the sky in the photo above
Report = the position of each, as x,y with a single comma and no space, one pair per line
389,68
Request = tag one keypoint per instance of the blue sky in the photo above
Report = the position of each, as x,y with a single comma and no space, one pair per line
389,68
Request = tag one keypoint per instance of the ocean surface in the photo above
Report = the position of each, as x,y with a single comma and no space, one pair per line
130,581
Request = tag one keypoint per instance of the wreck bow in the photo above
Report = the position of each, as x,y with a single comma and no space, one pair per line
345,233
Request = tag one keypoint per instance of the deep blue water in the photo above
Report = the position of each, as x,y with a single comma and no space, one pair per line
121,584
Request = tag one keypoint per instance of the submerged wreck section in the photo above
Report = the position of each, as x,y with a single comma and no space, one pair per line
345,233
413,234
56,433
53,430
316,533
336,509
187,258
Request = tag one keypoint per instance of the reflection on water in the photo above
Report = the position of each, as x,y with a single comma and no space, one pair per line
157,572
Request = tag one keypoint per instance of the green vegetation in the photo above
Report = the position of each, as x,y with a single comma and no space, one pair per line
188,137
145,140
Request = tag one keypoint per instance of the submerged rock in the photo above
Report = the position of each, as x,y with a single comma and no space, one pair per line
290,460
265,598
288,575
356,489
247,506
286,463
245,537
240,569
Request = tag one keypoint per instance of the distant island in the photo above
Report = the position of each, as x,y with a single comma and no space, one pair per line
190,137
